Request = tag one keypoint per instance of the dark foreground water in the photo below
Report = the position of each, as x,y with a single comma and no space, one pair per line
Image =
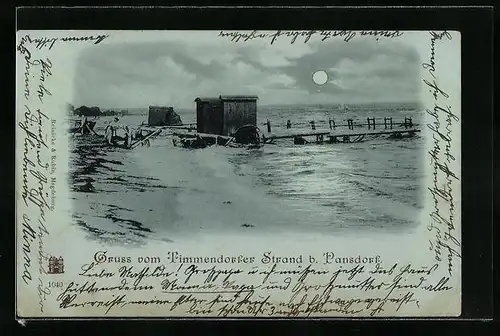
164,192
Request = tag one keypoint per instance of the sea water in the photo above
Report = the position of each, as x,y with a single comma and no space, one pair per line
164,192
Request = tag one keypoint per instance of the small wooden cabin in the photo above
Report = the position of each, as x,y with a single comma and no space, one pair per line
163,116
223,115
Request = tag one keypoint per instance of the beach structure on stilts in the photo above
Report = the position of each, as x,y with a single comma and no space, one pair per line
223,120
225,114
163,116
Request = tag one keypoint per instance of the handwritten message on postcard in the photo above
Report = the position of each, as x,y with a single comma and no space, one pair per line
238,174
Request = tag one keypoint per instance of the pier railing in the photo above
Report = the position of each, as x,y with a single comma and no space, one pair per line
373,127
371,123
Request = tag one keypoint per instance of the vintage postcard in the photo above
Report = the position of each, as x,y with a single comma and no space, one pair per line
227,174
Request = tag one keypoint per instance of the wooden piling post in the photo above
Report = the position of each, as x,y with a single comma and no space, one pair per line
350,124
333,124
385,122
390,118
371,121
408,123
268,126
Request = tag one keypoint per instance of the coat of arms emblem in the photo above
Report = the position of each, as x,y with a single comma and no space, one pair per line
56,265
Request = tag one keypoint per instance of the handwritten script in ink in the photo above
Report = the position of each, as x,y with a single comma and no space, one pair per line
444,244
49,42
36,153
317,286
305,36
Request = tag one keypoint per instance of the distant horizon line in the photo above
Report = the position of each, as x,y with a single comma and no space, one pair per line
262,105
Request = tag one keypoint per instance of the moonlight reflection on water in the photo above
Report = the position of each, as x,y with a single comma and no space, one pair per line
162,191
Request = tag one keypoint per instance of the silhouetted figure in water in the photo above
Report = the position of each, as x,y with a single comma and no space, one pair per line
114,125
83,123
110,133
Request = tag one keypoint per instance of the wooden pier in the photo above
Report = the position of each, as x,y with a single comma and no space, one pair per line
186,135
396,130
333,137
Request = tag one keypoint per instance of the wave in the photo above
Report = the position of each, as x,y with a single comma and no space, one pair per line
162,191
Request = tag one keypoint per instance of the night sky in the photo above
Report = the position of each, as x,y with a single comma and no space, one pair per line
173,68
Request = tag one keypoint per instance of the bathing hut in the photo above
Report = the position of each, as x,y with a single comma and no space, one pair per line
224,115
163,116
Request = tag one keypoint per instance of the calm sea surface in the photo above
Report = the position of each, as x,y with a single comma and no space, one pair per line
163,192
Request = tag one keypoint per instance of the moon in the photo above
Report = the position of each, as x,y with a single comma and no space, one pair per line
320,77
